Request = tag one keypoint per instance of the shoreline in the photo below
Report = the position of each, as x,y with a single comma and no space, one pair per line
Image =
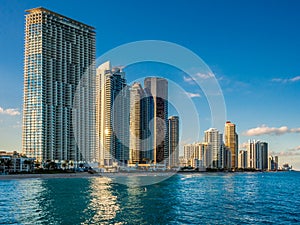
82,175
47,176
111,174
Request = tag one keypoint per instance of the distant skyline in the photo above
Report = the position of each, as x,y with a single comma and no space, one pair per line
252,47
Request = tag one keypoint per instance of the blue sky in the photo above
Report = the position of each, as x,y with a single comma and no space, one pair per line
251,46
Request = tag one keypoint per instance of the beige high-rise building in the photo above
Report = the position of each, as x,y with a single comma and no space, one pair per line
231,142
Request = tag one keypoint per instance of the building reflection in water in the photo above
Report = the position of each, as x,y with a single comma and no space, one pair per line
25,197
103,203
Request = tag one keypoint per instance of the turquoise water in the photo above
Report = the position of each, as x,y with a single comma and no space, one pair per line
217,198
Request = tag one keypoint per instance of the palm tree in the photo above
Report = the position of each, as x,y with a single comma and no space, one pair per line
67,164
64,165
52,165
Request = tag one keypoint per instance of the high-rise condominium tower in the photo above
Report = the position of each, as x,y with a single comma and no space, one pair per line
215,157
136,107
257,155
59,52
112,115
141,113
231,142
173,141
158,89
242,159
195,154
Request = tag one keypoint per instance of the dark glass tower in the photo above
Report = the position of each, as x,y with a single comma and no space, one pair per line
158,88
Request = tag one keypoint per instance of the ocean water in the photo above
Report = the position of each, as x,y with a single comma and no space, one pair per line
208,198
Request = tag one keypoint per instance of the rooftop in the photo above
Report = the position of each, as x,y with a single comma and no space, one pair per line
41,9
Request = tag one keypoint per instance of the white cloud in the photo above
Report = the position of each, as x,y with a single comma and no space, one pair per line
295,149
188,79
289,152
263,129
295,130
193,95
297,78
286,80
203,76
10,112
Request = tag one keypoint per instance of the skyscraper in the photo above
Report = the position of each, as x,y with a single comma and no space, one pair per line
251,155
257,155
242,159
227,158
231,141
189,153
215,157
158,89
136,107
141,113
173,141
59,52
273,163
112,115
263,148
147,127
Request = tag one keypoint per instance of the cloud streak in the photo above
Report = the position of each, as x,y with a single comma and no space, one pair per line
196,76
287,153
193,95
296,149
10,112
188,79
290,152
286,80
204,76
265,130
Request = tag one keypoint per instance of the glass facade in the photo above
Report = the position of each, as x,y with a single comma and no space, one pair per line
59,63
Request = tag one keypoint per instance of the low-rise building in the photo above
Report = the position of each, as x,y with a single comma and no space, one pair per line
14,162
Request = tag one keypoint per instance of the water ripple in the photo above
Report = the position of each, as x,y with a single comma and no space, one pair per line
216,198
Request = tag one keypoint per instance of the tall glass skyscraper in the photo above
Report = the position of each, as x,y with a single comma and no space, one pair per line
173,141
112,115
59,64
158,88
141,114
